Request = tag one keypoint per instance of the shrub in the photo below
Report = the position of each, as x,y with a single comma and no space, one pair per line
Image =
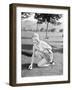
53,30
61,30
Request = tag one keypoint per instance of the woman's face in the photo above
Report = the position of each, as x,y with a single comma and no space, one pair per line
35,41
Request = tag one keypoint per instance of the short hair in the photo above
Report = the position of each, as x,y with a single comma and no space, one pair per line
36,36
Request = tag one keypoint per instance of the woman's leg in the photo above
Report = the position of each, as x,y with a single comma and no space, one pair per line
43,63
51,58
51,55
41,59
47,59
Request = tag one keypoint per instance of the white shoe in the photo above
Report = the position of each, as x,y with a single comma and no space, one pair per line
52,63
30,68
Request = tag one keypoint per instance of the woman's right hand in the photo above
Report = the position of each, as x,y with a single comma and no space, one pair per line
30,66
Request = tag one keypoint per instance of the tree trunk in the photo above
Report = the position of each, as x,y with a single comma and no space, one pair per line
37,27
46,29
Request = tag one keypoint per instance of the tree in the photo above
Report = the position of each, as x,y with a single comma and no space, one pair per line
25,14
38,23
47,18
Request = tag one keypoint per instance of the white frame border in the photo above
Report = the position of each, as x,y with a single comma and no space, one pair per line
63,77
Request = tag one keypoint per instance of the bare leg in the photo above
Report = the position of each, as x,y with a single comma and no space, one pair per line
51,55
43,63
51,58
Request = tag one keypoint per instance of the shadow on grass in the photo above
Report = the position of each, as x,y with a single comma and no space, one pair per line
29,52
28,49
59,50
26,53
26,66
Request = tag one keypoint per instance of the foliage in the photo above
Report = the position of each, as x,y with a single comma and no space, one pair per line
47,17
25,14
61,30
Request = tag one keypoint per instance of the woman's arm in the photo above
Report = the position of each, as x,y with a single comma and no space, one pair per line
33,55
32,60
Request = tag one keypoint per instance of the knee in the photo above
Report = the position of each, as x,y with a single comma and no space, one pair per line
36,53
51,53
39,64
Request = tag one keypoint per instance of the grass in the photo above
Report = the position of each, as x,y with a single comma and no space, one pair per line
56,69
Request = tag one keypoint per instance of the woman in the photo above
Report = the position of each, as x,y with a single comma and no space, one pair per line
42,51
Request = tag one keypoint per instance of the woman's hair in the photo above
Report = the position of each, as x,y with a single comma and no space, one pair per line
35,36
